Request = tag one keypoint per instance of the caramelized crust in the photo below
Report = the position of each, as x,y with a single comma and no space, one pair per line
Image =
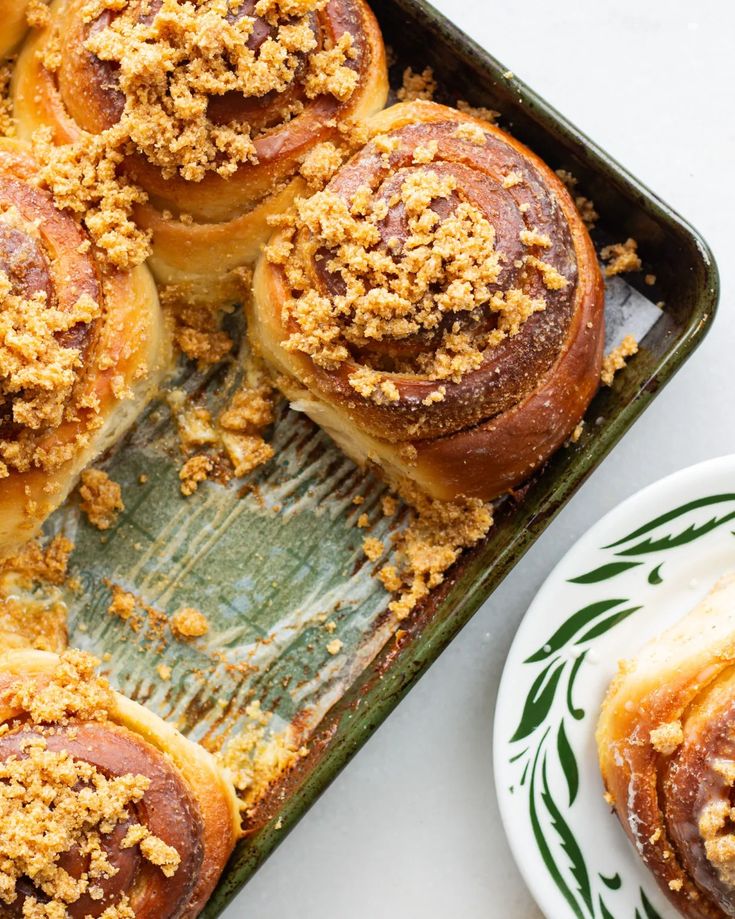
68,395
485,430
666,743
203,229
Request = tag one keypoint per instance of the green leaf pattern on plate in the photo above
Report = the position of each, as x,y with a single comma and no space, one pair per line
556,664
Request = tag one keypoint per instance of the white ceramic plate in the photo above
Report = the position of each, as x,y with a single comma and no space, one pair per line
638,570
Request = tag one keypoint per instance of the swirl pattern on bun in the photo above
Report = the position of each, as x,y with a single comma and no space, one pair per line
211,109
666,742
438,308
137,821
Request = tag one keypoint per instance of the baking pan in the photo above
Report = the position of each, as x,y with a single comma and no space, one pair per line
274,561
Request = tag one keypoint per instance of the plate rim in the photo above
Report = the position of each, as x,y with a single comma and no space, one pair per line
691,474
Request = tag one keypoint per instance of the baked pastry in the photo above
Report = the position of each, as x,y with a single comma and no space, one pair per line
82,348
438,308
666,742
219,128
113,812
14,24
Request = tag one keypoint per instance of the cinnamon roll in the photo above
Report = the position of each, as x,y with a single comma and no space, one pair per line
113,812
82,348
438,308
213,107
666,742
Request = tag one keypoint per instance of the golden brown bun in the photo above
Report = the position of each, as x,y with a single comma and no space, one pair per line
225,219
13,24
500,422
123,351
191,803
672,789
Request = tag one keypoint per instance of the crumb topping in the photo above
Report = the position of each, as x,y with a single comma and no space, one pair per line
72,802
446,267
478,111
164,672
616,359
172,63
49,564
472,133
511,180
124,605
577,433
75,804
587,211
552,278
37,14
84,178
437,395
430,545
534,237
250,408
7,122
73,691
26,623
237,434
169,66
320,164
373,548
196,325
101,498
667,737
715,828
194,471
189,623
621,257
726,769
31,611
47,343
249,412
38,371
417,86
389,504
246,452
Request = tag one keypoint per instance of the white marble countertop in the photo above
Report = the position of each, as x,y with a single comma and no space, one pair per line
411,827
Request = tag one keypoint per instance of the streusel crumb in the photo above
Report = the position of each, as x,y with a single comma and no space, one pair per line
167,75
478,111
195,471
430,545
101,498
621,257
189,623
74,803
616,359
417,86
7,122
37,14
446,266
